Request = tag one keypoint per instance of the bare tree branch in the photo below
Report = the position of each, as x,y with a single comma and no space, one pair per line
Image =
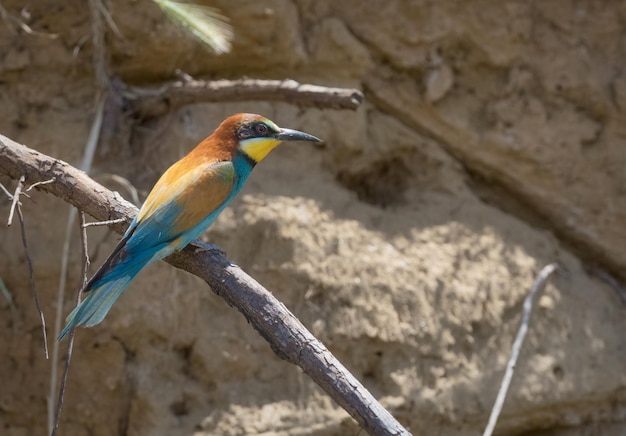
289,339
149,103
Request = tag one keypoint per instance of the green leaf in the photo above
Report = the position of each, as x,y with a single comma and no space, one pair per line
7,294
205,23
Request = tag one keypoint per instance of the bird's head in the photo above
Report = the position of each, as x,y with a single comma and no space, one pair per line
257,136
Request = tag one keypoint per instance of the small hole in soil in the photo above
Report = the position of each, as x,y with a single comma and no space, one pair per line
383,183
179,408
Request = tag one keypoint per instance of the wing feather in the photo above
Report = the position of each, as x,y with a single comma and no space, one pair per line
181,202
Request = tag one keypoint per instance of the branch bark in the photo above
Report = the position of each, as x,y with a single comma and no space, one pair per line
149,103
289,339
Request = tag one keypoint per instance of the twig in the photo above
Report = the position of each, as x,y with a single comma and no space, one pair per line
59,316
109,18
286,335
104,223
99,46
609,280
16,198
6,191
3,287
85,165
538,285
34,185
70,345
22,25
79,45
149,103
132,191
29,262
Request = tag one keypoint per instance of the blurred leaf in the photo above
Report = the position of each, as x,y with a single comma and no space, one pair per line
204,22
7,294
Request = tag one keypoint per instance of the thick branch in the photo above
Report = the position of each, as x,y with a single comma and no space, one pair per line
148,103
289,339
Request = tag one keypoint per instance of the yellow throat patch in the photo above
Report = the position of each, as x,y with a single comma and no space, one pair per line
258,148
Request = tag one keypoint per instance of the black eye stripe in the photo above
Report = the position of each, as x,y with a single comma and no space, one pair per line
245,132
256,130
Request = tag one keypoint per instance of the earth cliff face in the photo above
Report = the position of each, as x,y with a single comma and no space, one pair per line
492,142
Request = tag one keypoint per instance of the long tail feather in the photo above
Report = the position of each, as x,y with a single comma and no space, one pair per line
106,286
94,308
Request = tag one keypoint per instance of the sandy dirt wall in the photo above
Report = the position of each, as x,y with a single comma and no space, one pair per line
491,143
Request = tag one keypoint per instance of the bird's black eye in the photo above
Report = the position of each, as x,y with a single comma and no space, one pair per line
260,129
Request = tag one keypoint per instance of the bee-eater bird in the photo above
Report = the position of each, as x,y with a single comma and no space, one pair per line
183,203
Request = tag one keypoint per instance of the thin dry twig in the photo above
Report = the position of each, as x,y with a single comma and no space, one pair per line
104,223
609,280
4,14
99,45
29,261
125,183
16,198
538,285
70,345
289,339
34,185
150,103
65,254
109,19
6,191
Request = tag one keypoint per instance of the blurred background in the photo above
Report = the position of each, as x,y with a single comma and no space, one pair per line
492,141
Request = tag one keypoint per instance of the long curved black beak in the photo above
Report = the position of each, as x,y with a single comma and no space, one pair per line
295,135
